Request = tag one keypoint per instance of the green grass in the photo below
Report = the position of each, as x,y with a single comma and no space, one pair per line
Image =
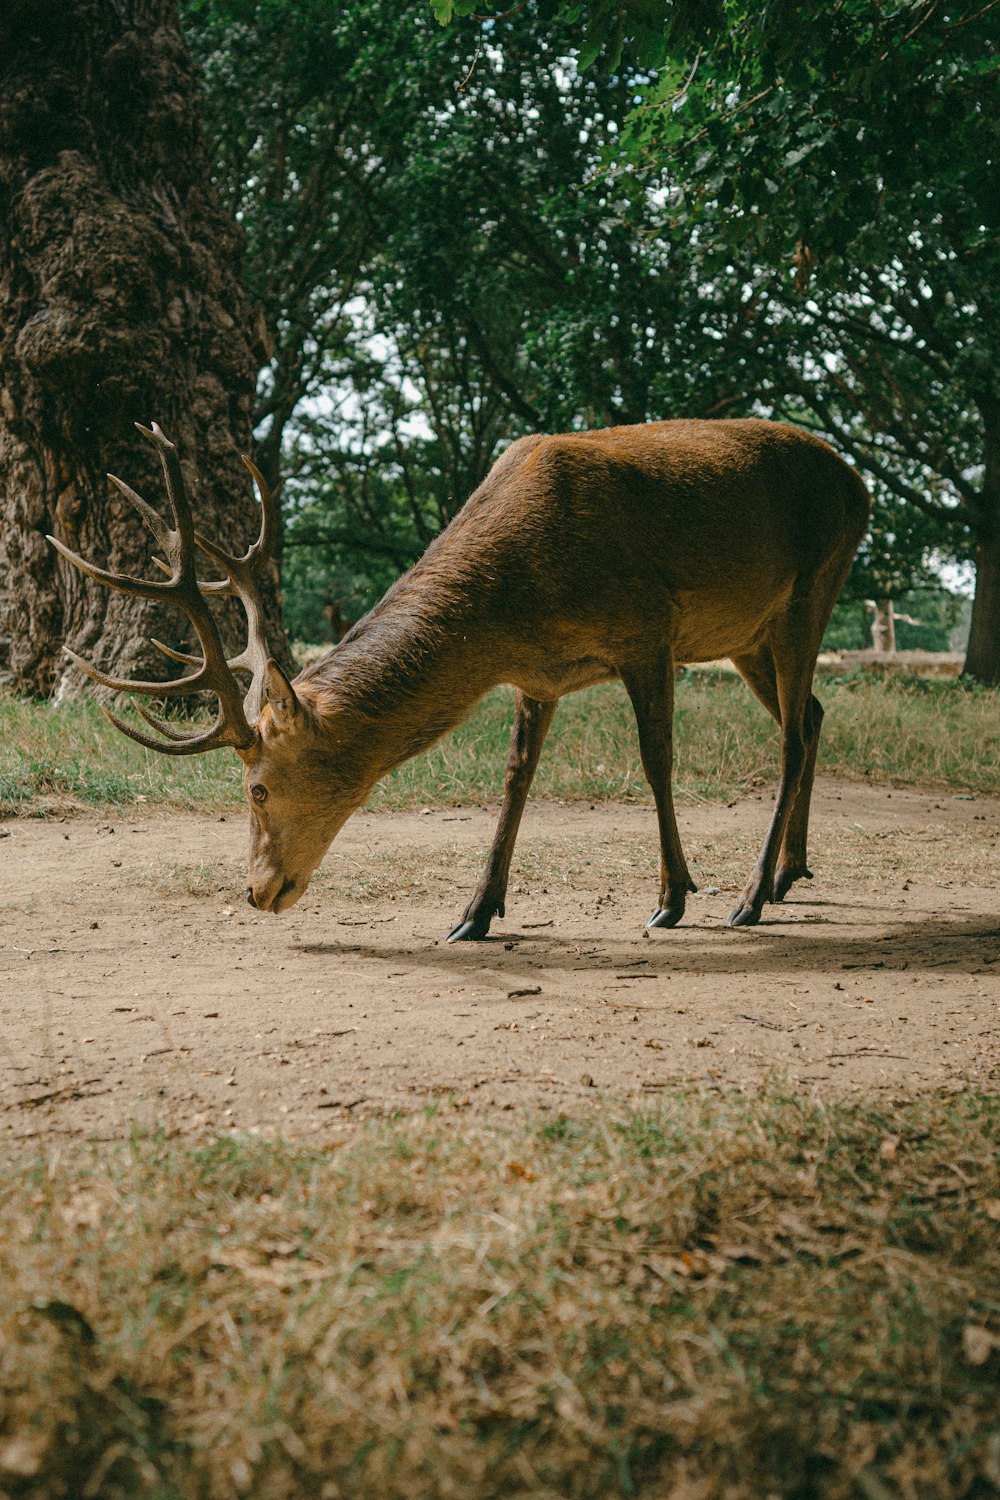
57,756
718,1299
897,730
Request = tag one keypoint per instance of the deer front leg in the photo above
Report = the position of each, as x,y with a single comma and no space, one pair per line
532,718
650,685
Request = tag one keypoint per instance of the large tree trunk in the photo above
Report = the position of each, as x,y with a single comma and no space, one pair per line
982,659
119,301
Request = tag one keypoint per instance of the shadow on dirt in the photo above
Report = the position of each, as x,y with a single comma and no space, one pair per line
927,942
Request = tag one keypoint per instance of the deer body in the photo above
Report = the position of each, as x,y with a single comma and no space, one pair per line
582,558
586,558
579,552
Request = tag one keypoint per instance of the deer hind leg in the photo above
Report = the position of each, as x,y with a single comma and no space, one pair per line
792,864
758,672
650,685
531,724
781,676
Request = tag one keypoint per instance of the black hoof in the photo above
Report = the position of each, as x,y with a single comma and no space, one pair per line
665,916
472,931
743,916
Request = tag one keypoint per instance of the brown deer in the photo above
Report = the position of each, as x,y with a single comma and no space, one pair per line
581,558
333,613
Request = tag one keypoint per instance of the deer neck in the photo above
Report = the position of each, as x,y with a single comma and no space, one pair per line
400,679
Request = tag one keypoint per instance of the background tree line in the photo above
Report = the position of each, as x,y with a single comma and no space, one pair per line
564,217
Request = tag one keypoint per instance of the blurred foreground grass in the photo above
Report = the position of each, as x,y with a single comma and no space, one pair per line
899,730
718,1299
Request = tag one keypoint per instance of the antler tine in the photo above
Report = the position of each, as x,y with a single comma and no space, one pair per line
175,543
262,550
122,583
181,736
152,518
259,553
218,733
176,490
181,656
213,739
178,688
243,579
217,668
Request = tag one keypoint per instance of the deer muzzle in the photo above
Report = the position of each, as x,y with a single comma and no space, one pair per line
275,895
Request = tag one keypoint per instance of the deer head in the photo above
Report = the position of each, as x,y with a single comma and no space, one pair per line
294,809
301,789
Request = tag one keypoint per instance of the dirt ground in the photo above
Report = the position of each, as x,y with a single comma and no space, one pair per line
137,988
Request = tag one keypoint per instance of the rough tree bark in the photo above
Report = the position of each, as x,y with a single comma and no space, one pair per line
982,659
119,301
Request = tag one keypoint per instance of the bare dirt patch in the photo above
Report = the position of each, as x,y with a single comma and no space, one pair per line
136,988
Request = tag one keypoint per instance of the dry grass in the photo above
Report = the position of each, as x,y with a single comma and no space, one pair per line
895,730
852,855
720,1299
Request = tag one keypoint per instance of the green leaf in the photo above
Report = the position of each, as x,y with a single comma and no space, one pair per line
792,158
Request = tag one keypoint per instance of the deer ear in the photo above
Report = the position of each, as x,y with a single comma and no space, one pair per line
280,694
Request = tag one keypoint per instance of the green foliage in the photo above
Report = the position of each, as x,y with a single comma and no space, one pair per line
927,619
444,272
493,239
838,167
850,154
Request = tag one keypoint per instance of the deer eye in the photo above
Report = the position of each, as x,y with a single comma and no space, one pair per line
258,792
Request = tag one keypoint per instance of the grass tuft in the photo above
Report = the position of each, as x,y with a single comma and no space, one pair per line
719,1298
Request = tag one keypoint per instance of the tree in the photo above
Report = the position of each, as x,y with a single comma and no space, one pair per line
289,91
120,300
468,261
851,153
441,273
313,171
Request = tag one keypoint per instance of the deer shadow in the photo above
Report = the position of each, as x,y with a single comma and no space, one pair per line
925,943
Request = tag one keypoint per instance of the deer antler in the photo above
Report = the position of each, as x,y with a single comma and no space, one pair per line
243,579
234,724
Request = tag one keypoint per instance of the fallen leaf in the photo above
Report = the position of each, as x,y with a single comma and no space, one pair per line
697,1264
516,1169
22,1456
978,1343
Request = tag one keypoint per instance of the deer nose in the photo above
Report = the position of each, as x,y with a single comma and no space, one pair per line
250,900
